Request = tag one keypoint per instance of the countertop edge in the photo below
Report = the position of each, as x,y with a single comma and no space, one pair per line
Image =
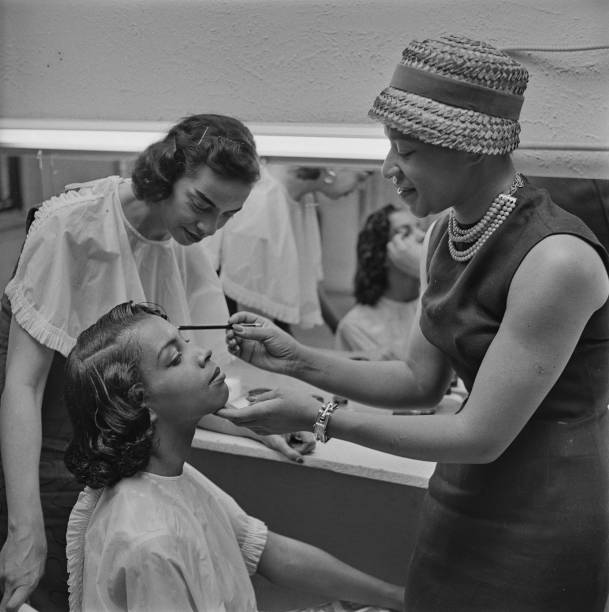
336,456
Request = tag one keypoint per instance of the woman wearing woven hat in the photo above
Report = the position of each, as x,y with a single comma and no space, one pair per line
514,300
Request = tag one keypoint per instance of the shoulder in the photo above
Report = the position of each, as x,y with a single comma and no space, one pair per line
563,265
198,479
204,489
565,256
74,198
87,217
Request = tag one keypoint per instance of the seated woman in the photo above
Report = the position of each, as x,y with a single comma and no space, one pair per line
386,293
149,532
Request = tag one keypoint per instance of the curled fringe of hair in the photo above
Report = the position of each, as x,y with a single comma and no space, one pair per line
113,435
222,143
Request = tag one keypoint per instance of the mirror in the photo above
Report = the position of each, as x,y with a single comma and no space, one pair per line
341,196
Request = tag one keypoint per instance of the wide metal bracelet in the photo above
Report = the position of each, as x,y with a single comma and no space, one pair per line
323,418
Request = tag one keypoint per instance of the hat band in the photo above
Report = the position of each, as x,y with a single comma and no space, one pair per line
457,93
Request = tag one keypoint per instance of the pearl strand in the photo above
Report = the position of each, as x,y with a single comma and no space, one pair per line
479,233
467,254
470,234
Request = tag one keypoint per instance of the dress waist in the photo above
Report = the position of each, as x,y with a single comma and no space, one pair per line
550,465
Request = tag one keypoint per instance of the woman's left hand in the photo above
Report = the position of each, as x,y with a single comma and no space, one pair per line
276,411
405,252
292,445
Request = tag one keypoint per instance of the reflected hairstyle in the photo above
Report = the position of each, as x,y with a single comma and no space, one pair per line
112,433
371,274
221,143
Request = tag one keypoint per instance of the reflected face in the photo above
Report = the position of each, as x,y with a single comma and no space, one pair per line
403,222
202,204
429,179
337,183
182,383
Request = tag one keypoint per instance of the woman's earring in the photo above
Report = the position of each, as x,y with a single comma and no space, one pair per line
330,177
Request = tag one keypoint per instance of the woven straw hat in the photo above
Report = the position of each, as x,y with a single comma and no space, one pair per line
456,93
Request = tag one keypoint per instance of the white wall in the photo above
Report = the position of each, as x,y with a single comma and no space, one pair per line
293,61
307,61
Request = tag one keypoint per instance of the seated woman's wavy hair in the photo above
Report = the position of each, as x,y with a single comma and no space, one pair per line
112,432
221,143
370,281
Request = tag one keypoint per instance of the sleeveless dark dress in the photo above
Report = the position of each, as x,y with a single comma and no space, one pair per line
528,532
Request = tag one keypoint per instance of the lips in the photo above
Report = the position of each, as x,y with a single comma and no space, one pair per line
403,192
217,376
194,237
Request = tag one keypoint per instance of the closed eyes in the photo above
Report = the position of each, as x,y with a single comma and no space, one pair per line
402,149
176,359
201,206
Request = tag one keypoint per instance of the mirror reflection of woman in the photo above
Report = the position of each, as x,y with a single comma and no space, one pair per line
516,514
386,286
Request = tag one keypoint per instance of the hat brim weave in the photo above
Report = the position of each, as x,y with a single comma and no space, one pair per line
443,125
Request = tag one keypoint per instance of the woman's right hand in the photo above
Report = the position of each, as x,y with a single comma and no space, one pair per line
22,561
266,346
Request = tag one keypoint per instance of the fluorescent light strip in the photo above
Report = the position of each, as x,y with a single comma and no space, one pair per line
269,145
295,143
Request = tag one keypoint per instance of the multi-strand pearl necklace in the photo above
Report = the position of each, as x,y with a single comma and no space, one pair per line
479,233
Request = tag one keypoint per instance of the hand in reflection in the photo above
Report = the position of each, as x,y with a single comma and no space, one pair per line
276,411
266,347
405,252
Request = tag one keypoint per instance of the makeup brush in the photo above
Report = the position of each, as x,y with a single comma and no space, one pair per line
228,326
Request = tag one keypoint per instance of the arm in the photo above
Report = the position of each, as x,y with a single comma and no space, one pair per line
23,555
420,380
558,286
297,565
293,446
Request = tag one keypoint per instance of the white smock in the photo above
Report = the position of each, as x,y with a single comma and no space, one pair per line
270,256
382,329
82,257
160,543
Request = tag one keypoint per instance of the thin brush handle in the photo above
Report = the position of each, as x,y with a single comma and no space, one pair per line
229,326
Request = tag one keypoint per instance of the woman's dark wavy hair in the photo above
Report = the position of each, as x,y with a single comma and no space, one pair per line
112,433
219,142
370,281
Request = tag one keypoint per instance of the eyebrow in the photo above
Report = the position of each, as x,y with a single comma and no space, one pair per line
203,197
